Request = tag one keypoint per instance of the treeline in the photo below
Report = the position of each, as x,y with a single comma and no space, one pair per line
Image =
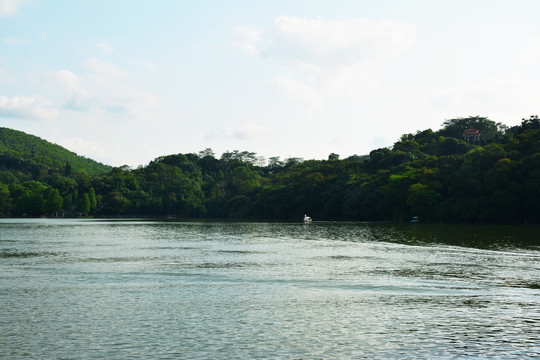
436,175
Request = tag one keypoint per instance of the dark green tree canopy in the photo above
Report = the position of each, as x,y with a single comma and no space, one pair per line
434,175
455,127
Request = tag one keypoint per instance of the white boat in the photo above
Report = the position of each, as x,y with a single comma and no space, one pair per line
307,219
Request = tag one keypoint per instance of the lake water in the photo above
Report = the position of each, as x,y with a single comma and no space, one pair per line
103,289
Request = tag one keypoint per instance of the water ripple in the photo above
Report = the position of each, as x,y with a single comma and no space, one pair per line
162,290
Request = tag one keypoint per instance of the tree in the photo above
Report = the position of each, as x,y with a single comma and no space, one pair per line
422,201
311,181
68,203
333,156
5,199
293,161
533,122
274,164
207,152
92,199
67,169
454,127
84,204
29,198
54,202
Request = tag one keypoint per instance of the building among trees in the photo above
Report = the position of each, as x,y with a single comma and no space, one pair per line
471,135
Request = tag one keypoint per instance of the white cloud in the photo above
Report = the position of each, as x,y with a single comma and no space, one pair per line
66,79
532,49
79,103
10,7
24,107
146,100
102,68
326,59
147,65
246,39
105,48
105,89
115,109
340,43
247,132
244,132
298,91
13,41
499,99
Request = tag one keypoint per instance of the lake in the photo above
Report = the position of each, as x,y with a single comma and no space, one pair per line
121,289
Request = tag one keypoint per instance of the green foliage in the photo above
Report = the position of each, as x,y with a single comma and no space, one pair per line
488,128
84,204
5,200
28,198
92,199
54,201
422,201
434,175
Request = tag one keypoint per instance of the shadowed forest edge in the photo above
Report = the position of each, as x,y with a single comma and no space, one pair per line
471,170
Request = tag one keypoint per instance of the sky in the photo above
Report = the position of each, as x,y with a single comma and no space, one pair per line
126,81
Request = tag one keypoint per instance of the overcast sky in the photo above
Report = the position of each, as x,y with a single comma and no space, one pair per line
126,81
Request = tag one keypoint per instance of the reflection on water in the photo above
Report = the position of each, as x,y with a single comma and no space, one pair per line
143,289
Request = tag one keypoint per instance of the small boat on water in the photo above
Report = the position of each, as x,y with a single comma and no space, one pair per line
307,219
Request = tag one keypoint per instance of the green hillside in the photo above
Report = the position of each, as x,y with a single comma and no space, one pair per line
435,176
18,148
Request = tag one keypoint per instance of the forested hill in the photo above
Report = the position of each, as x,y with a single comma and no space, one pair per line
25,152
470,170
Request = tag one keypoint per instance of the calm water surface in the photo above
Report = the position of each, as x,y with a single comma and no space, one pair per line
83,289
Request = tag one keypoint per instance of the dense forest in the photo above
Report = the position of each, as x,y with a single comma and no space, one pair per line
471,170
